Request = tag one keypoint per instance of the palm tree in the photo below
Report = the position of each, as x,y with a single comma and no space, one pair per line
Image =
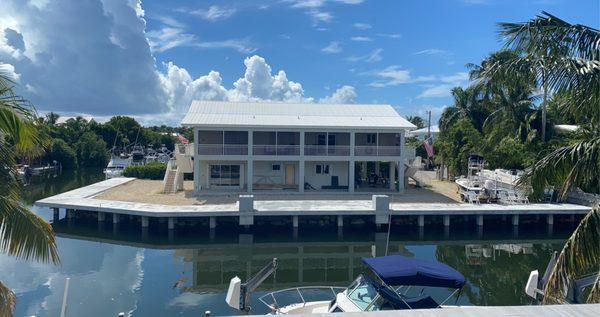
22,233
571,67
509,96
466,106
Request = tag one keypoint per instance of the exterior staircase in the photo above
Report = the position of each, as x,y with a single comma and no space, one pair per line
169,181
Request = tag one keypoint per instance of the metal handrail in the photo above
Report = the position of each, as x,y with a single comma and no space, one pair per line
377,150
299,291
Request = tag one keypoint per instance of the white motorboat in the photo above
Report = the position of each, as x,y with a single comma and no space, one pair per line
386,286
116,166
471,187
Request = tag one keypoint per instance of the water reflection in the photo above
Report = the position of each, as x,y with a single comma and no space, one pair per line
496,268
159,273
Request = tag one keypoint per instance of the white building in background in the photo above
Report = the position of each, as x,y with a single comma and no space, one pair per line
248,146
421,134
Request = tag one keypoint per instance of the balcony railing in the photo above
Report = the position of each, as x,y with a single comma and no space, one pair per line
278,150
373,150
222,149
327,150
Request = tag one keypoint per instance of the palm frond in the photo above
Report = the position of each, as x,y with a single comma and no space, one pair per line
573,165
580,255
547,33
7,301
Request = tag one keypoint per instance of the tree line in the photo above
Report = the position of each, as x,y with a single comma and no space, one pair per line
546,74
81,143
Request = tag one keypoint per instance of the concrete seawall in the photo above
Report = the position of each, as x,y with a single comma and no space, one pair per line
246,209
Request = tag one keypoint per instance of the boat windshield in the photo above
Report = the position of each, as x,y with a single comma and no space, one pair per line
362,293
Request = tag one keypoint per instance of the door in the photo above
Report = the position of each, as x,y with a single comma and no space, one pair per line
289,174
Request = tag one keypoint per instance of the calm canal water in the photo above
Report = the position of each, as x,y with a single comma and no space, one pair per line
115,270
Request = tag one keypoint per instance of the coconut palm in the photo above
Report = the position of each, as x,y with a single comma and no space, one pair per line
466,106
571,67
22,233
509,96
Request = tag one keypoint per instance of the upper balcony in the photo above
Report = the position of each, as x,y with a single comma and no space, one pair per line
327,144
377,144
274,143
223,143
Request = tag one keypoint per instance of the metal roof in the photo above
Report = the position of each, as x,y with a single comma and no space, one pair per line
433,129
295,115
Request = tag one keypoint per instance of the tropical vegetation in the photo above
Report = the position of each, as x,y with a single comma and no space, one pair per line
78,142
153,170
22,233
548,73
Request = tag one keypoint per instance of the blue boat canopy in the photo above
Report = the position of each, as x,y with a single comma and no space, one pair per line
397,270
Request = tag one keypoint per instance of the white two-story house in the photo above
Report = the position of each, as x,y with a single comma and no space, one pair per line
293,147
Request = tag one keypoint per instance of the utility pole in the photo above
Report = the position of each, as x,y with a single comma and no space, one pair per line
429,160
429,124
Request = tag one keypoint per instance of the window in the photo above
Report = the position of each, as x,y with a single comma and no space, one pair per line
322,169
276,167
331,139
372,138
321,139
224,175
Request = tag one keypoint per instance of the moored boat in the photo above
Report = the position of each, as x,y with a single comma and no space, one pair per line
385,286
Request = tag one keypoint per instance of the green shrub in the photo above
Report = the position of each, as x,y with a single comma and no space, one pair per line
154,170
61,152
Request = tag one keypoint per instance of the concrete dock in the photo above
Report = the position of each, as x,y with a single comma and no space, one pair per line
583,310
246,209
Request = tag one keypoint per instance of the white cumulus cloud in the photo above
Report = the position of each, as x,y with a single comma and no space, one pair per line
100,62
343,95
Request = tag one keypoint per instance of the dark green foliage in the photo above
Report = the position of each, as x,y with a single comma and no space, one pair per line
61,152
456,144
91,151
120,131
510,153
416,120
153,170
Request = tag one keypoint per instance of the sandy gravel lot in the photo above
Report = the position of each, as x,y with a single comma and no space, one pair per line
149,191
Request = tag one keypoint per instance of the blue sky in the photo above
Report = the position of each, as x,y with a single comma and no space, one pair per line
153,57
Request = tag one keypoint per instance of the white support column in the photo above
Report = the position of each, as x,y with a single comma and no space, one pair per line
249,175
515,220
550,219
446,220
301,176
381,207
250,162
351,176
479,220
295,221
400,177
352,143
196,162
392,174
116,218
171,224
246,210
145,222
421,221
302,144
212,222
340,221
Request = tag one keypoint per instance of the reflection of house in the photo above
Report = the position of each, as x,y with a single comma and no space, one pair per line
476,253
421,134
300,263
277,146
